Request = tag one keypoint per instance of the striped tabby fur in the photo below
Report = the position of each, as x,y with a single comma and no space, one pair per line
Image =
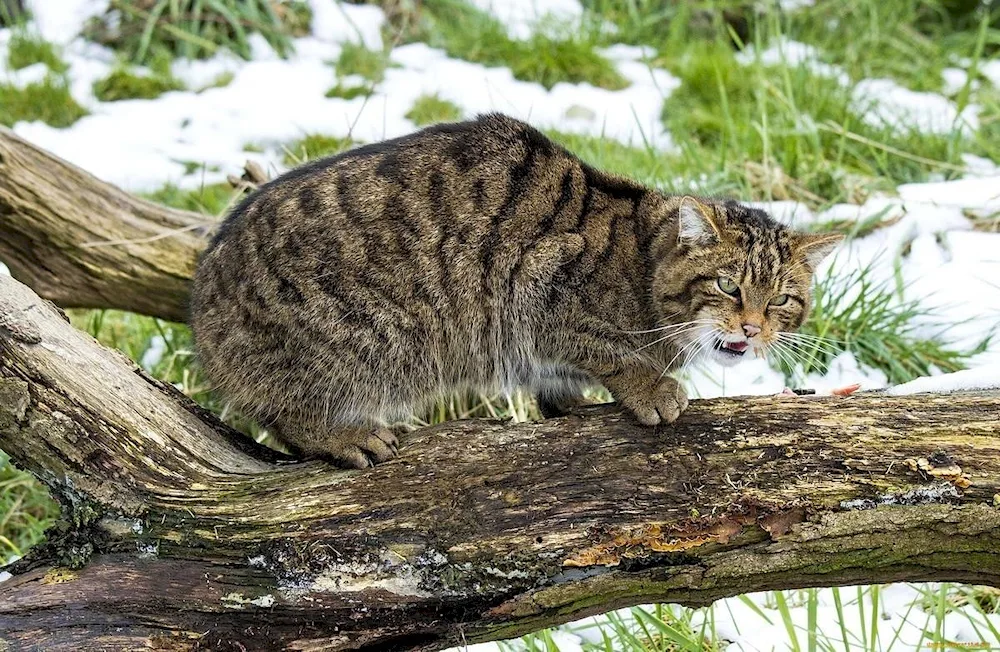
479,255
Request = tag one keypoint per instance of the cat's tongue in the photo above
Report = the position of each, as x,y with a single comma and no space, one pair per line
739,347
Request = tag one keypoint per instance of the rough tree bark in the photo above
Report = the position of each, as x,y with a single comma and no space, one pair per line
84,243
178,533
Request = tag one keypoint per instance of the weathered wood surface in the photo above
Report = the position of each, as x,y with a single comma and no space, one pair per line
84,243
184,535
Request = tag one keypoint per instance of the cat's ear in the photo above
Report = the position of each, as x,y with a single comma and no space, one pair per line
695,225
815,247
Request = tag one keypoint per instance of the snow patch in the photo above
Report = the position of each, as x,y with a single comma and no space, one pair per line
200,73
32,74
709,379
987,377
981,193
211,128
338,22
154,352
60,21
883,102
795,5
977,166
793,53
991,71
845,370
953,80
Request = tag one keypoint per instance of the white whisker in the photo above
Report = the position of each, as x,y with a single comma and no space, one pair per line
671,326
783,355
694,342
807,337
829,346
677,333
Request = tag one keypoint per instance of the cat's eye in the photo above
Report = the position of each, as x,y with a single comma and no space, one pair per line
779,300
728,285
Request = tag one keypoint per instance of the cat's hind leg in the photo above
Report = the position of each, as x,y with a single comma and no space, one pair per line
559,390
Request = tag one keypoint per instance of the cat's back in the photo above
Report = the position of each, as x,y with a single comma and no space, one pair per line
400,206
421,224
454,170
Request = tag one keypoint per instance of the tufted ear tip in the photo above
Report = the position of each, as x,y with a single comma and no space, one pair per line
695,224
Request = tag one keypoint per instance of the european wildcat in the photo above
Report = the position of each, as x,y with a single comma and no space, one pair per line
478,255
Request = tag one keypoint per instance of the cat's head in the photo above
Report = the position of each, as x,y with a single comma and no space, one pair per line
737,280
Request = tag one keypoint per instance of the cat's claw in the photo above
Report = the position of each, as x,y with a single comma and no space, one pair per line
664,403
366,449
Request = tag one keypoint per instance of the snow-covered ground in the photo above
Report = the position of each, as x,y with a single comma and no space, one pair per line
272,101
931,253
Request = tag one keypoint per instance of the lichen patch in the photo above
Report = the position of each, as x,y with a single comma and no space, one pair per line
348,578
636,542
631,542
59,576
942,467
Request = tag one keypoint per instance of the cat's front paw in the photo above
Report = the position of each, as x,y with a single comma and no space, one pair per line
361,448
661,402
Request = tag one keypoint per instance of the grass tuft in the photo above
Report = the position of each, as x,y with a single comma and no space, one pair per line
212,199
866,317
799,127
48,101
547,58
348,92
428,109
356,59
124,83
196,28
914,39
26,49
313,146
26,510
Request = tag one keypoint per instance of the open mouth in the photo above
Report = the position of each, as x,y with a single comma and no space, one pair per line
735,349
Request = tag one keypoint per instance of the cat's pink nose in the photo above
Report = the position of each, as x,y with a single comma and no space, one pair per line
751,330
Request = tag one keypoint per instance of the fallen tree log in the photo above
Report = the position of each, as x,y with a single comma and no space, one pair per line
178,533
84,243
